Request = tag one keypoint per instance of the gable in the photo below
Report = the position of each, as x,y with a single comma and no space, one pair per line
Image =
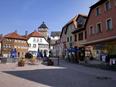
37,40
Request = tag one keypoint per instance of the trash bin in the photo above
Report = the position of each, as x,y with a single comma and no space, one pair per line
3,60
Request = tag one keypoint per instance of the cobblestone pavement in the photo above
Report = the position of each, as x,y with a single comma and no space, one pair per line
65,75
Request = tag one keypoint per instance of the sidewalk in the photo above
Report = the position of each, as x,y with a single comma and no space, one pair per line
93,64
99,64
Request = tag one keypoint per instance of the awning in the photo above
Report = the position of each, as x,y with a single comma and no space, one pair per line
73,49
13,53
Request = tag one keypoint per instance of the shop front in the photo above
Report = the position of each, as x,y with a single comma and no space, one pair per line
107,48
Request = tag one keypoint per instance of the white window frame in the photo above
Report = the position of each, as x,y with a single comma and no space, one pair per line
111,23
115,3
99,11
91,33
96,27
105,5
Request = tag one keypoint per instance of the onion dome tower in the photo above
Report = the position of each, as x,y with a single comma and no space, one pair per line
43,29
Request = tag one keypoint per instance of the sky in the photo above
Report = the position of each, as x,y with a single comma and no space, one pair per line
28,15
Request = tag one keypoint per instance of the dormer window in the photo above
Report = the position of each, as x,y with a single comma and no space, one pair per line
80,22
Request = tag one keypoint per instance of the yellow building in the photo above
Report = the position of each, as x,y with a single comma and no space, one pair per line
14,41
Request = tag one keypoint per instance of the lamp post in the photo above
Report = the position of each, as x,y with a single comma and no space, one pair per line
49,40
58,49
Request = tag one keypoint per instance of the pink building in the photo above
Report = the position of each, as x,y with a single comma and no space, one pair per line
63,42
101,28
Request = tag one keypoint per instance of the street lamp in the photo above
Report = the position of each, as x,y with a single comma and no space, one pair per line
49,40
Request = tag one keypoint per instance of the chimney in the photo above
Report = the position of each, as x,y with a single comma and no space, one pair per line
26,32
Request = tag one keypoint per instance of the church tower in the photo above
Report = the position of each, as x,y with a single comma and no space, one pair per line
44,30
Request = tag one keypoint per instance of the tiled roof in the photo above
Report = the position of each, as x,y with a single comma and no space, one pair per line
35,34
71,21
55,33
83,15
98,3
14,35
83,28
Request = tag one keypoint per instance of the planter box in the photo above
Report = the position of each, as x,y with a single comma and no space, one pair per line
3,60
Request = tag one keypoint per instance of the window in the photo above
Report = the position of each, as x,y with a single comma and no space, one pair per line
41,40
70,44
109,24
34,40
70,38
67,39
97,11
107,5
115,2
9,46
38,40
75,37
92,31
98,28
80,36
34,45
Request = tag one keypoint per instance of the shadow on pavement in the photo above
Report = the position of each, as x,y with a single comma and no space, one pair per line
62,77
50,77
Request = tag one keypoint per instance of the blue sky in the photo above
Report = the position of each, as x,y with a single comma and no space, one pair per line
27,15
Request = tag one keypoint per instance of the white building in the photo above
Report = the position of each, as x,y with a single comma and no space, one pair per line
0,47
55,36
0,43
37,42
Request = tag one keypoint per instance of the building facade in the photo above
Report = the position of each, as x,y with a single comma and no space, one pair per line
57,49
70,27
80,36
63,42
1,44
55,36
80,33
100,27
37,43
14,41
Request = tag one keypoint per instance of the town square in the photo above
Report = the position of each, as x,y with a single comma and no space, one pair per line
68,43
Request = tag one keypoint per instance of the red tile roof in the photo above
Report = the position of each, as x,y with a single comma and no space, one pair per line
71,21
34,34
14,35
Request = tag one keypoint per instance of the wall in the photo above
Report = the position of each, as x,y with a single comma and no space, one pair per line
93,20
40,42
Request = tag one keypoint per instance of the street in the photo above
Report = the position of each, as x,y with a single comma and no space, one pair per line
64,75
